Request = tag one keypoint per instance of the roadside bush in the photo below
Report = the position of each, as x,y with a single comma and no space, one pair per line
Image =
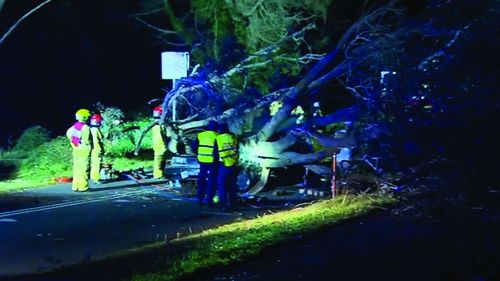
112,119
51,159
37,158
120,136
29,140
125,137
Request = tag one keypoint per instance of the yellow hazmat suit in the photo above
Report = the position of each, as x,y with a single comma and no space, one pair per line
96,153
81,143
160,149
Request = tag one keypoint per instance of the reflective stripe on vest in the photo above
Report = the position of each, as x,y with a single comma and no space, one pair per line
76,133
206,142
227,149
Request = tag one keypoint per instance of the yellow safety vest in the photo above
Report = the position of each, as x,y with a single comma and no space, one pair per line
228,149
206,142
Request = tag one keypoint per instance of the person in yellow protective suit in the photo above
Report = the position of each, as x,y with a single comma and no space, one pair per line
81,143
159,144
97,151
227,148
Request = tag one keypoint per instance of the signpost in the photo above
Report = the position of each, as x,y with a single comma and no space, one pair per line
334,170
174,65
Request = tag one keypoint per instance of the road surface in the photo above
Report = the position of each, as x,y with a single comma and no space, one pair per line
44,228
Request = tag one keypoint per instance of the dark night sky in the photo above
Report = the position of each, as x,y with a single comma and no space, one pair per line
70,54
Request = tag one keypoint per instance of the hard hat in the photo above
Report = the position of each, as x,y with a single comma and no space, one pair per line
82,115
96,119
157,111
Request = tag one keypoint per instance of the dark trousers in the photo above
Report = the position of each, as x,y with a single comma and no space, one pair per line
206,182
226,186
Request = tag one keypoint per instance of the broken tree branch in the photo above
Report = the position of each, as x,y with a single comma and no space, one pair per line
6,34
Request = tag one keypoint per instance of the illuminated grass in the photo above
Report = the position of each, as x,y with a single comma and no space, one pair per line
123,163
40,165
234,242
38,161
43,171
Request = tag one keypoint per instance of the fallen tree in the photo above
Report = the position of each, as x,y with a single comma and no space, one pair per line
351,80
201,97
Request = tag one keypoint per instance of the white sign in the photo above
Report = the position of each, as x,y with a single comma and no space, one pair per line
174,65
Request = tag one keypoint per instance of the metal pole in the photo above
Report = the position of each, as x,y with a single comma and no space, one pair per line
334,169
174,115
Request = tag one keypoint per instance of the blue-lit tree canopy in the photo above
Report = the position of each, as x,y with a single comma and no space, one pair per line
395,75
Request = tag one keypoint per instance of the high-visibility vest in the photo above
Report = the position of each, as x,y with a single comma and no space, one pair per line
79,135
206,142
228,149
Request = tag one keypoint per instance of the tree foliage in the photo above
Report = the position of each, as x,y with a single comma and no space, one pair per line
391,69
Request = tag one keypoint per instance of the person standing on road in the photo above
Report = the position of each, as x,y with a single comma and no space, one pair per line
227,149
159,144
97,152
81,143
205,146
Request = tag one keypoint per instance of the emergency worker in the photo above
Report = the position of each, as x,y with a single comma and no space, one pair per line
159,144
227,148
97,151
205,147
298,111
81,143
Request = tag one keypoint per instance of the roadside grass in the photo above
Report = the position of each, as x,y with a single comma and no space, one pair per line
37,160
235,242
36,166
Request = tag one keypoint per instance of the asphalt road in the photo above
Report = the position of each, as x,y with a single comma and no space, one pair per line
45,228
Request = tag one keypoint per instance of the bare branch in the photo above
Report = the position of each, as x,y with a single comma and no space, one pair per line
159,29
141,137
171,43
21,19
147,13
265,52
433,57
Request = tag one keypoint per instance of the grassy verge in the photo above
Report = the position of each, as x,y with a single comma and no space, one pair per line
38,165
42,165
38,173
37,159
237,241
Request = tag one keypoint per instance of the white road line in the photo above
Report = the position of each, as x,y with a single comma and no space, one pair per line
66,204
